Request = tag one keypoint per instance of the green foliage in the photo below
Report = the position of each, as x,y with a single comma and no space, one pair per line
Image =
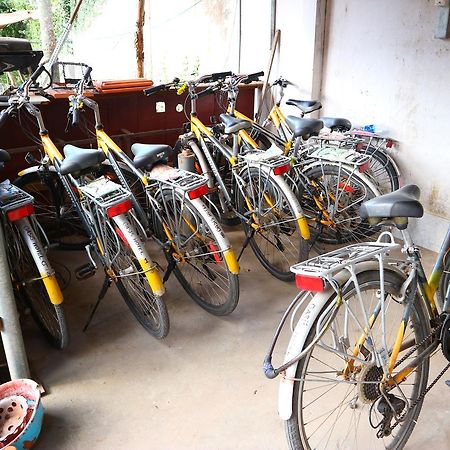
27,29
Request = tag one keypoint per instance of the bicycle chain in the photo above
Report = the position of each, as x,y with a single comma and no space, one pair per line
430,386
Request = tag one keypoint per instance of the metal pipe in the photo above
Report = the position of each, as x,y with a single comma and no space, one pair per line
13,345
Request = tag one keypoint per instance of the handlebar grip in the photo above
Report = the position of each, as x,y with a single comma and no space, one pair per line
206,91
87,74
153,89
75,117
254,77
37,72
4,98
220,75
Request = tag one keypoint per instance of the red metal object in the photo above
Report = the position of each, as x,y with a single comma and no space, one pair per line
282,169
198,192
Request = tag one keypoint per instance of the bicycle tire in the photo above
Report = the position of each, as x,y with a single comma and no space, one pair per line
324,184
206,276
54,211
320,397
148,308
381,170
30,290
284,230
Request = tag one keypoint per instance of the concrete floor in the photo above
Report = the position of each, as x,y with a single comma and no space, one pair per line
201,388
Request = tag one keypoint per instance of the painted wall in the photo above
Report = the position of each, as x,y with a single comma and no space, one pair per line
382,66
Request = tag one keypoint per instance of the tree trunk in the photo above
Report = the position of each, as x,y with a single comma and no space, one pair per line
139,40
47,30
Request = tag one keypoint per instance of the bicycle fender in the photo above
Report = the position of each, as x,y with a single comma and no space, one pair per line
34,169
222,240
292,199
302,329
40,259
138,248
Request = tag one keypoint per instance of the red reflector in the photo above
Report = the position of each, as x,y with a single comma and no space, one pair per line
346,187
282,169
363,167
120,208
198,192
20,213
314,284
389,143
216,256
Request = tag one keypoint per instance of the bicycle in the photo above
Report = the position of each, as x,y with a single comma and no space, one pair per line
246,185
33,278
328,181
105,211
168,202
381,168
357,363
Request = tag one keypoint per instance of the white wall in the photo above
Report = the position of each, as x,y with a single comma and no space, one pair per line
382,66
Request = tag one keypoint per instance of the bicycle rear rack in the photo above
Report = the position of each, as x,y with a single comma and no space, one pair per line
324,266
272,158
179,179
339,154
105,193
12,197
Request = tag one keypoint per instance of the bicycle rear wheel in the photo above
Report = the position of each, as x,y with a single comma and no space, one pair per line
272,225
54,210
30,289
148,308
330,198
333,408
197,249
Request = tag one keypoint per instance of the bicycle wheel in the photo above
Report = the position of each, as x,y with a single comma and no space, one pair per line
331,410
30,289
149,309
195,248
54,210
271,225
330,199
381,170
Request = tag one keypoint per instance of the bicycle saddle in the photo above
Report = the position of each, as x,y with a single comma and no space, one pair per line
402,203
307,106
150,154
233,124
337,123
77,159
304,127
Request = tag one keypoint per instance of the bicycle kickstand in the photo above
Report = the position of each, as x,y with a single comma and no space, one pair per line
246,242
104,289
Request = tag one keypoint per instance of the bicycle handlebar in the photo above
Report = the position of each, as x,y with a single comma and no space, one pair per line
253,77
160,87
206,91
75,116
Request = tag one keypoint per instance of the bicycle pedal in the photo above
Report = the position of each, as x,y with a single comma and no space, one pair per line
85,271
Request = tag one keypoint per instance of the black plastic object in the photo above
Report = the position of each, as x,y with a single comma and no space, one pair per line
17,54
153,89
220,75
206,91
253,77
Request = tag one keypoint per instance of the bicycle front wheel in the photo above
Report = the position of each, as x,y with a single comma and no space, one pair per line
198,251
272,225
335,403
132,283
